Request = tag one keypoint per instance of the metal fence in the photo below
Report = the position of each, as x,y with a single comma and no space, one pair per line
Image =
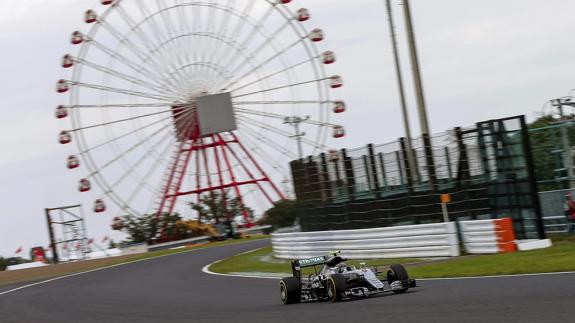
487,170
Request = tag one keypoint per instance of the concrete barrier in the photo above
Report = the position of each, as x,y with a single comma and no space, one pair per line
413,241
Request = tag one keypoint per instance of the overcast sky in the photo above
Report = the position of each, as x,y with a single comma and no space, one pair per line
480,59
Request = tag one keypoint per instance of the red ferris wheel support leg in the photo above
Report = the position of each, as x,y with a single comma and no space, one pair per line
224,146
220,177
173,184
249,173
224,157
252,159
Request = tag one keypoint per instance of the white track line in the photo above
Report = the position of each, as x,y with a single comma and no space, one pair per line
206,268
501,276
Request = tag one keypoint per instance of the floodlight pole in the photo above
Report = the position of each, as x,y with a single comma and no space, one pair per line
406,125
295,121
423,120
567,151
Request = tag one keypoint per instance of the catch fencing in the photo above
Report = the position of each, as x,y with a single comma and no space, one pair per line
487,169
413,241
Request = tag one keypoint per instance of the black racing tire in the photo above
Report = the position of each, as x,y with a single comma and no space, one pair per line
290,290
336,286
397,272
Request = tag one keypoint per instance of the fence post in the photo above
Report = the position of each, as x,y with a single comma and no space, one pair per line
532,181
405,160
349,175
326,181
373,165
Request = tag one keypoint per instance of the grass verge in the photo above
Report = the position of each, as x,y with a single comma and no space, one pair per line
262,261
41,273
559,258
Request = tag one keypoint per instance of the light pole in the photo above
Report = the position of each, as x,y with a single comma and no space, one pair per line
567,151
295,121
406,125
418,83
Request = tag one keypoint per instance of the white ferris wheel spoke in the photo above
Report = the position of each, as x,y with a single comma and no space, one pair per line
240,24
273,74
132,169
119,121
131,79
249,139
280,87
253,32
247,130
138,27
264,63
294,102
128,151
120,105
122,91
144,183
268,41
129,63
90,149
223,27
282,117
281,132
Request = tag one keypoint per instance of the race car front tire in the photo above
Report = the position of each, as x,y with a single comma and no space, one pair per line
336,286
395,273
290,290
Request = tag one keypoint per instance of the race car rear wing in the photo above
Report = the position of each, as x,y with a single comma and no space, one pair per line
297,265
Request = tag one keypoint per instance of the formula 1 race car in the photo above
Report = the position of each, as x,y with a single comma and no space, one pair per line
336,280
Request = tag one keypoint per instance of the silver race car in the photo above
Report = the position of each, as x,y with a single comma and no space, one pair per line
336,280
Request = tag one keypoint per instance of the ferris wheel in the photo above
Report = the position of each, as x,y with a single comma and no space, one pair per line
170,100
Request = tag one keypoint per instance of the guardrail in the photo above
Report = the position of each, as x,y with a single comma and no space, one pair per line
180,243
204,239
413,241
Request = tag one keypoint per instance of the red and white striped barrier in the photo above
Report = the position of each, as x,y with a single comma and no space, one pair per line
488,236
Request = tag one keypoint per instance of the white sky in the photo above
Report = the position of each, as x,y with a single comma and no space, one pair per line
480,60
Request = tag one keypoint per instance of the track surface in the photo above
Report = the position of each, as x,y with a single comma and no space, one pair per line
173,289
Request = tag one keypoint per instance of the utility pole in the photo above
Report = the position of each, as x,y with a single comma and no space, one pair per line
422,110
567,151
406,125
295,121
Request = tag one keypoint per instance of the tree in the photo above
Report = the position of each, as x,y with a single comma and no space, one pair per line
144,228
112,244
283,214
6,262
546,145
219,207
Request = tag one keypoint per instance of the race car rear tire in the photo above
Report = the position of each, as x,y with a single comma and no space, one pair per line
336,286
397,272
290,290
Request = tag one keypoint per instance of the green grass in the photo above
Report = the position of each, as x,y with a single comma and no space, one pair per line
262,261
560,257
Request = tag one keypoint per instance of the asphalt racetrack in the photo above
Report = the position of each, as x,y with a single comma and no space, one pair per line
174,289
